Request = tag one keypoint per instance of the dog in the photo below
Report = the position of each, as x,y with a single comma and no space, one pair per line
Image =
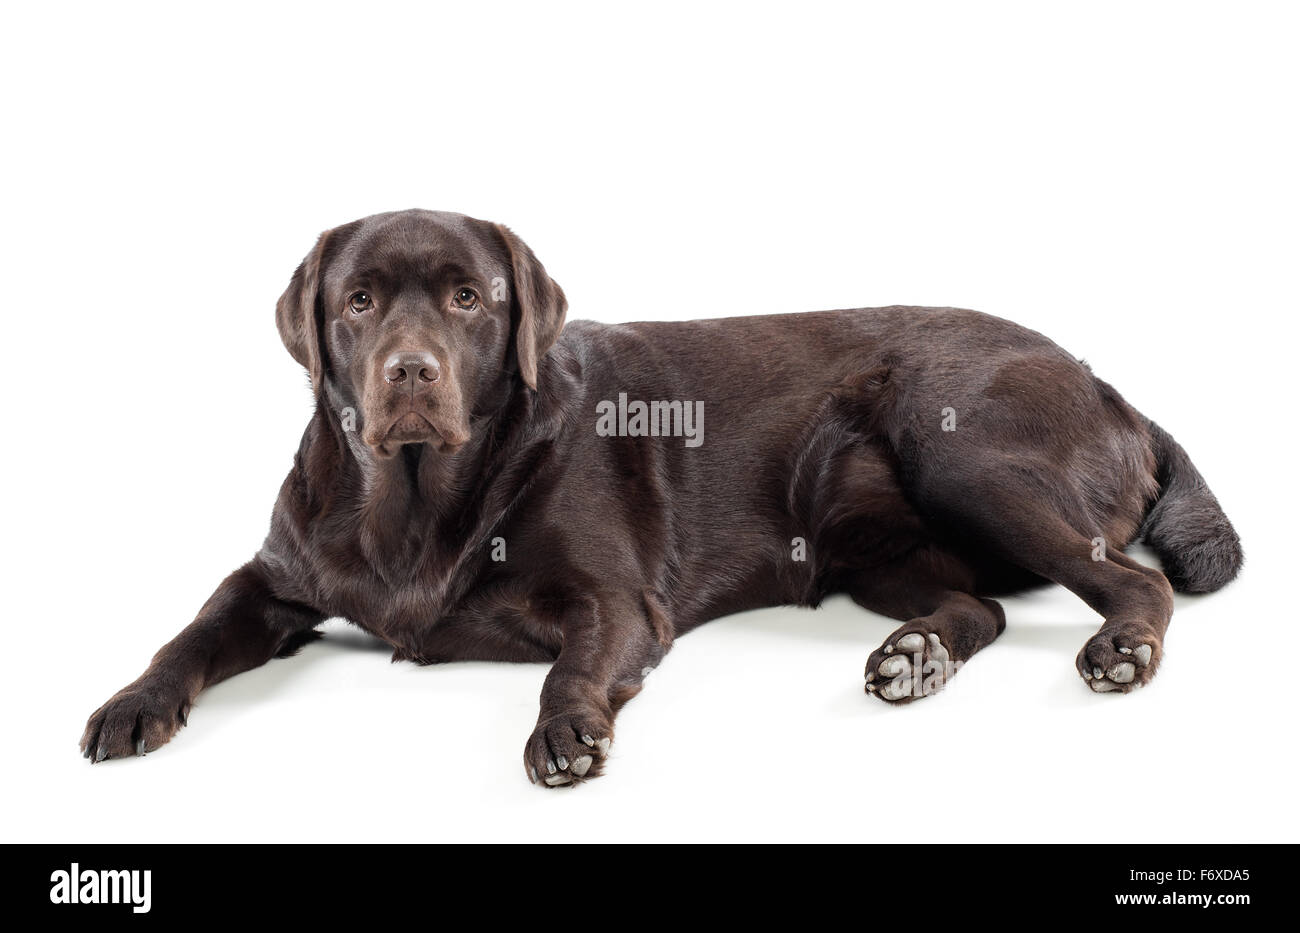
481,482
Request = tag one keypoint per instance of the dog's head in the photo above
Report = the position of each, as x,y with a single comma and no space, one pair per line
417,320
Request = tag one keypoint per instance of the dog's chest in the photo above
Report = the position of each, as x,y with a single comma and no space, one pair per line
448,608
392,596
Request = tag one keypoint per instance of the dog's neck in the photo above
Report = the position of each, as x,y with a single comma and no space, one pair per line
419,479
424,504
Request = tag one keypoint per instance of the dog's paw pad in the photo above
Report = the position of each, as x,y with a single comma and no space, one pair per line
911,643
1122,673
1118,661
567,749
909,666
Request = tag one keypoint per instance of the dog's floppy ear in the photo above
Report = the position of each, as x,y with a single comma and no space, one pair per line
538,306
295,313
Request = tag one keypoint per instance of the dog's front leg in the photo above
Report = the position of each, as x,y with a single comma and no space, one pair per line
609,646
243,625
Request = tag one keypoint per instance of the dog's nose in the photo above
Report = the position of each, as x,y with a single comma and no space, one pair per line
417,367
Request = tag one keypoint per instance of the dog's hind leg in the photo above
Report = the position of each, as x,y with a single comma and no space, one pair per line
1025,524
945,624
1049,470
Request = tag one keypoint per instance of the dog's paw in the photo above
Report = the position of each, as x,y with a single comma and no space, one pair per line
1116,660
910,664
138,719
567,748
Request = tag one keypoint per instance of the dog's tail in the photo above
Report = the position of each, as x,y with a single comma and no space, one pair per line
1185,526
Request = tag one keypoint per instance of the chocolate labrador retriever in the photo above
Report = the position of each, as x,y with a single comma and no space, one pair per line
477,483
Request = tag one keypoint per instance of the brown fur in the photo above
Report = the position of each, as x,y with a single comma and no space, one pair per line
444,429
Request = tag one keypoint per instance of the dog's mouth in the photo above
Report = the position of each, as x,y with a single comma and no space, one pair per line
411,427
415,428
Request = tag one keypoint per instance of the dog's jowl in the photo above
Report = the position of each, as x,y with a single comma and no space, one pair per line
454,496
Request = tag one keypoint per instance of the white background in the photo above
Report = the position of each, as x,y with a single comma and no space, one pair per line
1119,176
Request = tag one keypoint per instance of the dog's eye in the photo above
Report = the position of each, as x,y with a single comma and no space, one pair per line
361,302
466,298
